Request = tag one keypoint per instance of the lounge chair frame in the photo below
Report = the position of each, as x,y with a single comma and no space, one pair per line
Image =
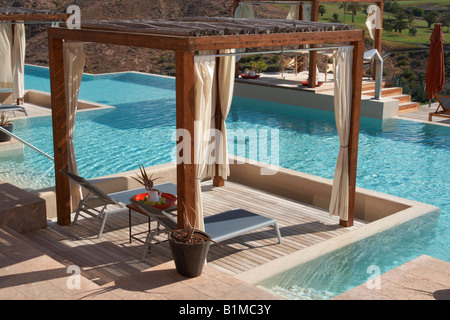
13,108
445,113
96,203
220,227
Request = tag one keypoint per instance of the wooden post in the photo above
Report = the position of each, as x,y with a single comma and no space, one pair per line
218,181
358,53
378,37
59,124
299,60
185,116
313,54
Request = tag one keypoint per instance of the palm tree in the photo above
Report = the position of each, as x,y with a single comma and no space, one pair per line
344,6
353,8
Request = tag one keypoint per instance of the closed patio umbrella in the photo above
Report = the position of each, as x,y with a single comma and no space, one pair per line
435,75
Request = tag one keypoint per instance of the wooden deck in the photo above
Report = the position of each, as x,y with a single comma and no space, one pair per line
113,256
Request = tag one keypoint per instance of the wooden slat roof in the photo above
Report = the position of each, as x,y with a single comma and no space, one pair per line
212,26
27,14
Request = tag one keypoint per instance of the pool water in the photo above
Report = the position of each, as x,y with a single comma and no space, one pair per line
399,157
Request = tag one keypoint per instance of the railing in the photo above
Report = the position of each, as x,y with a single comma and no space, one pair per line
26,143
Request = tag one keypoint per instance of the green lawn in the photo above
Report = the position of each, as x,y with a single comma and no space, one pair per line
394,39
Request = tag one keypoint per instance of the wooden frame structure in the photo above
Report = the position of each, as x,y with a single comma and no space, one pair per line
315,17
185,37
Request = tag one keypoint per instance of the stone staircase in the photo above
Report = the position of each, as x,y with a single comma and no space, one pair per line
388,90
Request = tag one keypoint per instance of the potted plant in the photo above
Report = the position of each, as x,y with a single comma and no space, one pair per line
189,246
5,124
148,182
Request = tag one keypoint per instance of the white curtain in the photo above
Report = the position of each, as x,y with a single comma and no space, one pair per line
203,89
293,12
74,60
5,55
223,92
342,109
244,10
18,61
307,11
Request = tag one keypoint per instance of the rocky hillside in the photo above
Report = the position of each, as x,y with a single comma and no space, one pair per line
407,66
107,58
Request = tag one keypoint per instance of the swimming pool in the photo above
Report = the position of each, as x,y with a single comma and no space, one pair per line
399,157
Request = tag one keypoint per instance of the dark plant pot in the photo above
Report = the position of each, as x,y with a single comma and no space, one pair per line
189,258
4,136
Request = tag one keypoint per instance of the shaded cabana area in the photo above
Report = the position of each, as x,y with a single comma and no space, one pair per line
308,10
200,44
13,43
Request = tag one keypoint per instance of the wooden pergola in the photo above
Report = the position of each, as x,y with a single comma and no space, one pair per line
14,15
315,17
186,37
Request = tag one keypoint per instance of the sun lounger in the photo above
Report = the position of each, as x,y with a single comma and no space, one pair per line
100,205
13,108
220,227
444,103
96,203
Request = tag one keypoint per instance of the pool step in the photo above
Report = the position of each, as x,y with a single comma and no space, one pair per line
388,90
408,107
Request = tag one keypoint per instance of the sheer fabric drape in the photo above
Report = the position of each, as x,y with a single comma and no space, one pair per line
342,109
223,93
6,40
18,61
74,60
203,86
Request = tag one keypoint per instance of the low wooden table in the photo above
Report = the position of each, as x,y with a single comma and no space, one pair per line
165,187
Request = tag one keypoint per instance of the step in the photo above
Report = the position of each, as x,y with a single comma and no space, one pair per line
385,92
408,107
371,85
27,273
402,98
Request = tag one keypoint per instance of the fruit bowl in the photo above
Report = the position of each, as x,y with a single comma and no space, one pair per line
169,200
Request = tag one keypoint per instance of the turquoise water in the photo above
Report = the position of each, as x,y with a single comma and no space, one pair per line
399,157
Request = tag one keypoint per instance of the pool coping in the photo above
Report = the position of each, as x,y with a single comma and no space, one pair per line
288,262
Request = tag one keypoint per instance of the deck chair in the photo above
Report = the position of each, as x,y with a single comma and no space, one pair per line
444,103
13,108
96,203
220,227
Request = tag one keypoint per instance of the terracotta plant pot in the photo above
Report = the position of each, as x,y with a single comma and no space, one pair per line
189,258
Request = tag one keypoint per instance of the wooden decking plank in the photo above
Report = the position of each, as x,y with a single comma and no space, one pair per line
113,255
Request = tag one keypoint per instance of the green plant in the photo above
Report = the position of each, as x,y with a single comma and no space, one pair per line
4,120
258,66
